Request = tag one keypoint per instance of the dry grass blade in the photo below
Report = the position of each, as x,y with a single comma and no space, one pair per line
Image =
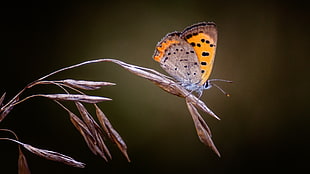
75,97
203,131
112,133
2,98
201,105
103,120
5,110
119,142
159,79
94,128
166,84
22,164
88,127
84,131
80,125
54,156
87,85
86,117
172,87
103,149
50,155
198,116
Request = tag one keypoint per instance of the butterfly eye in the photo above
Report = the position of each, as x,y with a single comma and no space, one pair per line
207,85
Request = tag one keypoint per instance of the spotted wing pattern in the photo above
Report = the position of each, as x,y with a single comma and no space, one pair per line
179,59
203,38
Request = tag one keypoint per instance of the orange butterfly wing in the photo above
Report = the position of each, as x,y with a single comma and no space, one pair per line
203,38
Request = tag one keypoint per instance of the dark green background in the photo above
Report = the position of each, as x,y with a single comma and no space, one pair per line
263,47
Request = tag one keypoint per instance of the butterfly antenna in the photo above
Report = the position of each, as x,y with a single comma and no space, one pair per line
220,80
218,87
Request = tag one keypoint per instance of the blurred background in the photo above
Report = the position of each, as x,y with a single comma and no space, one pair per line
263,47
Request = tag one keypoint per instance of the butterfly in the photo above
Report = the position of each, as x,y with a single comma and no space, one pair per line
188,56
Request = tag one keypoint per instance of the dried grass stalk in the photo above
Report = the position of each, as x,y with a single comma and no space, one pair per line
6,109
22,164
88,120
88,136
83,129
22,161
103,120
5,112
86,85
54,156
111,132
75,97
174,88
47,154
103,149
202,129
119,142
2,98
165,83
95,130
88,127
